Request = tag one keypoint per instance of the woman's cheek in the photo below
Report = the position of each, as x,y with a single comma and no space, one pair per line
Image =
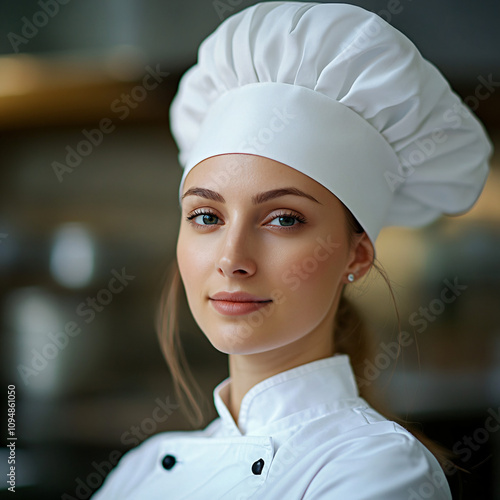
305,270
187,256
192,254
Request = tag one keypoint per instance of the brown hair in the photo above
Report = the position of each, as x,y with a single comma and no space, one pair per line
351,337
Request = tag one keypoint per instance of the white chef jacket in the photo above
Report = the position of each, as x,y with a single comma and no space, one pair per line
302,434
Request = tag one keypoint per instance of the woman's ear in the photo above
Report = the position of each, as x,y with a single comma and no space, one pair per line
362,255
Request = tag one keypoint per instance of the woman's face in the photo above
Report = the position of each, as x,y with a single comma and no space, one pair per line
263,252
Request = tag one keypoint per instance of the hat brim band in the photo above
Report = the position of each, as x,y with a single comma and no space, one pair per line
309,132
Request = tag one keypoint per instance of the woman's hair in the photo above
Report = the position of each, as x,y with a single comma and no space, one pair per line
351,337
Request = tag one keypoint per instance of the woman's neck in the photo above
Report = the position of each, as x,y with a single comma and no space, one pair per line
247,370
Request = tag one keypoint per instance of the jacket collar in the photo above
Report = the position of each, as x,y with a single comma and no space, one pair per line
318,387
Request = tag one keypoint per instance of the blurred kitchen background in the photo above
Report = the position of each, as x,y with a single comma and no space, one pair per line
72,90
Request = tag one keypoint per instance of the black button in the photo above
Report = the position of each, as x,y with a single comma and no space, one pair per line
168,462
257,467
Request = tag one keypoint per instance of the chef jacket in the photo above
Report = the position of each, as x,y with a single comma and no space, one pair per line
301,434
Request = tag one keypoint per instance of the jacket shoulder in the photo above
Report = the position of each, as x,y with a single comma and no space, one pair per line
379,460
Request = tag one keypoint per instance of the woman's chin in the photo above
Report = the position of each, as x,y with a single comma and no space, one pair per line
238,339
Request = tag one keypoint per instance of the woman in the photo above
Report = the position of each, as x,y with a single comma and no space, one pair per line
303,130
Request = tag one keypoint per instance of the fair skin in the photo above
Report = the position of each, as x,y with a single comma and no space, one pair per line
253,225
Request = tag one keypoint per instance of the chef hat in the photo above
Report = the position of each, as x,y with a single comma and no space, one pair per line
335,92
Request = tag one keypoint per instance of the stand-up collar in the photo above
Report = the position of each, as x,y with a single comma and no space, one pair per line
317,387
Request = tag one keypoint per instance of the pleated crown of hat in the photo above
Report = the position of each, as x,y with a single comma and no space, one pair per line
335,92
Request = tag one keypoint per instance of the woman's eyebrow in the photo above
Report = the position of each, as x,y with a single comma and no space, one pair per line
204,193
256,199
276,193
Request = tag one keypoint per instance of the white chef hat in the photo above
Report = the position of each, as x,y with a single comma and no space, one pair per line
335,92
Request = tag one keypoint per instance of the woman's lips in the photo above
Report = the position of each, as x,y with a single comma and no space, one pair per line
237,303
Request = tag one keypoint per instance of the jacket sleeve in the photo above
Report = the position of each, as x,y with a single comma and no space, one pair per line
392,466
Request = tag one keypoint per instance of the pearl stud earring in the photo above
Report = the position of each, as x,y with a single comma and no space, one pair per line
350,277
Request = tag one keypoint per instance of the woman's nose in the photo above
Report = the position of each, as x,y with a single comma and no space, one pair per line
236,259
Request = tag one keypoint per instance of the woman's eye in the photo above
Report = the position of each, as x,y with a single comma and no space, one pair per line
204,219
283,221
287,221
207,219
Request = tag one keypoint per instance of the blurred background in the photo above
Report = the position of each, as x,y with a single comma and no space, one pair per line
88,225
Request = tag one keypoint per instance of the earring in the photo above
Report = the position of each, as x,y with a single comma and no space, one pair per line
350,277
